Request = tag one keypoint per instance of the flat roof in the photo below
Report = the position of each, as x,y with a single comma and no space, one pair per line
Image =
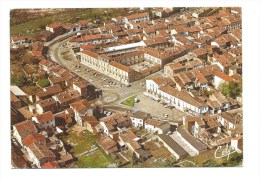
125,46
17,91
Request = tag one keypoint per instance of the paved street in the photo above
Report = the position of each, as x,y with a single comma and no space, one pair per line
114,93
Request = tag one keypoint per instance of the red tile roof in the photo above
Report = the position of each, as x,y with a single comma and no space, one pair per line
50,165
80,105
41,151
17,38
45,117
89,53
68,96
91,120
46,63
46,102
182,95
36,53
223,76
154,122
120,66
200,77
54,25
80,83
135,16
87,47
34,138
50,90
82,22
107,144
25,128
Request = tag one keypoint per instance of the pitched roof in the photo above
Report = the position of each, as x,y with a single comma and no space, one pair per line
182,95
120,66
80,105
91,120
112,121
46,63
67,96
50,90
87,47
154,122
25,128
82,83
26,112
50,165
54,25
135,16
45,117
82,22
220,97
160,80
89,53
223,76
192,140
107,143
41,151
46,102
173,145
34,138
17,38
128,136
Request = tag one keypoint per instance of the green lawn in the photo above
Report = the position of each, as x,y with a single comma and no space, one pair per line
207,159
130,101
32,27
82,142
95,160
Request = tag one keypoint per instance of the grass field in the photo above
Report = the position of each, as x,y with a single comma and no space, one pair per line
32,27
130,101
97,159
82,142
207,159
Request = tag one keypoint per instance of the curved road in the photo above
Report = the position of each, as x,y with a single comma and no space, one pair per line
112,97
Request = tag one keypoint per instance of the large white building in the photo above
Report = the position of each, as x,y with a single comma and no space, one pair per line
142,17
105,65
181,100
45,120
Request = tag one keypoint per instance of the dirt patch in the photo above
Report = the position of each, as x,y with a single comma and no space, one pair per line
78,129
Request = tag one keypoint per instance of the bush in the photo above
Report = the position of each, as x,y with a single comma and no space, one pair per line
231,89
19,80
43,82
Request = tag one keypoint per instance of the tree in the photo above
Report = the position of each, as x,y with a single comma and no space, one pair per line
19,80
43,82
235,159
231,89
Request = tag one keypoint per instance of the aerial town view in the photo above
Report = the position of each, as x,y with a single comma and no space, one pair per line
126,87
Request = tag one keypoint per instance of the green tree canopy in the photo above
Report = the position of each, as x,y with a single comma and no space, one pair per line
19,80
231,89
43,82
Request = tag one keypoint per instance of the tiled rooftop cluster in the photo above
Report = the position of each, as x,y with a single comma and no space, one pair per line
196,54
